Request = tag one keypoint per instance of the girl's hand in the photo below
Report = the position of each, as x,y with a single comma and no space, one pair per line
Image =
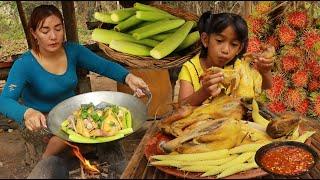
136,84
34,120
210,83
263,65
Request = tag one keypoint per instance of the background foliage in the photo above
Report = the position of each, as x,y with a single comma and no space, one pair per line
12,38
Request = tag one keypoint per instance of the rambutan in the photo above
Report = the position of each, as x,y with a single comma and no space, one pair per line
303,107
300,78
315,99
278,87
272,40
256,24
310,37
314,84
286,34
289,63
276,106
314,67
254,44
316,48
294,97
292,51
297,19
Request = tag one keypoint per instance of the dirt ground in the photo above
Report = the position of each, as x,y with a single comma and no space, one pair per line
12,144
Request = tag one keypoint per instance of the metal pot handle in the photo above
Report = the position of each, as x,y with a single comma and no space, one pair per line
148,94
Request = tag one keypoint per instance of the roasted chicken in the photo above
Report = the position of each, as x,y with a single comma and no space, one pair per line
231,78
221,106
283,124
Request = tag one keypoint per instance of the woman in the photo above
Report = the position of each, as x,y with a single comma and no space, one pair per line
224,38
46,75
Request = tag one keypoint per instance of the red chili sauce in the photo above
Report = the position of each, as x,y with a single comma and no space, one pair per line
287,160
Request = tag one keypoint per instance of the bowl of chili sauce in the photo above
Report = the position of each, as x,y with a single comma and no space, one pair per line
286,158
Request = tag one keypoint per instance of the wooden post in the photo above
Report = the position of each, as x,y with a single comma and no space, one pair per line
70,25
24,23
247,8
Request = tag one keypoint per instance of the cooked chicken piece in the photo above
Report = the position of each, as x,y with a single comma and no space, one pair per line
222,106
202,129
81,129
246,85
224,136
110,124
283,125
231,78
180,113
97,132
226,106
227,129
177,127
191,147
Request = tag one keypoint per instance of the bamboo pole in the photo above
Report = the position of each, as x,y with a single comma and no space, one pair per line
23,20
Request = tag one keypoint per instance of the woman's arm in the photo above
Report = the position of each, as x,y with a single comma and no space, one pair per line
16,81
89,60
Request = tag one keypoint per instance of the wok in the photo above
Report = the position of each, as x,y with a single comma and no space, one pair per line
65,108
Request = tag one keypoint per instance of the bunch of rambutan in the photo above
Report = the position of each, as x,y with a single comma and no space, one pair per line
296,74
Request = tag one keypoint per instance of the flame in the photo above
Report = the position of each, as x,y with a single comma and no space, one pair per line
86,163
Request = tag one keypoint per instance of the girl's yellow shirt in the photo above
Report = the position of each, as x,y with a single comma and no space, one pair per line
191,71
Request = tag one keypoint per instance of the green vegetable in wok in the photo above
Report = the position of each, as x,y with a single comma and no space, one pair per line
93,125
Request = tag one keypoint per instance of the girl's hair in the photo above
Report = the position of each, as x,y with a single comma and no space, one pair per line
38,15
216,23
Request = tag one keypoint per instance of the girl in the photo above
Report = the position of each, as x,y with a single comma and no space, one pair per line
46,75
224,38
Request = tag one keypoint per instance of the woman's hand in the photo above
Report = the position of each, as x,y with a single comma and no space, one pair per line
34,120
210,83
264,65
136,84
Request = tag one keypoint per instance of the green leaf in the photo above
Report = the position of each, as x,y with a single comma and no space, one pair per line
95,116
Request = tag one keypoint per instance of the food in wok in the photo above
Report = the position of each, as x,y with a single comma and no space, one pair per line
94,124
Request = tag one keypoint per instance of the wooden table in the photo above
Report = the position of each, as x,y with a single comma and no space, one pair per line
138,167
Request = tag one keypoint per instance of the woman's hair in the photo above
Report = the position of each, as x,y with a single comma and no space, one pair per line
215,23
37,17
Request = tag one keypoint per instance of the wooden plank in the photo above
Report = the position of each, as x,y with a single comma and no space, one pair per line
314,124
148,172
315,174
315,145
306,176
138,154
140,167
168,176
